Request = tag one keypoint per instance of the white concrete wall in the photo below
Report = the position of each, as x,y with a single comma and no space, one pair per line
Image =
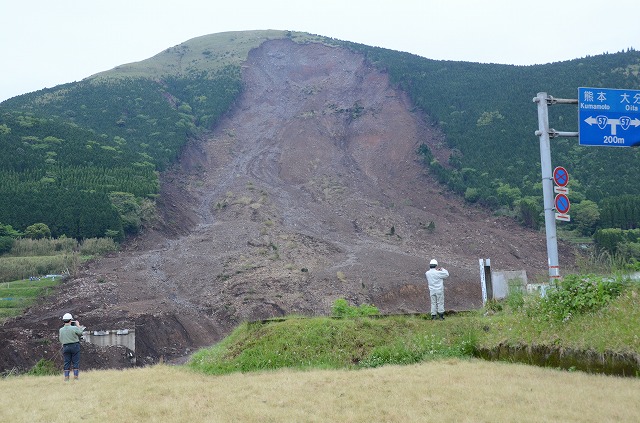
111,337
502,279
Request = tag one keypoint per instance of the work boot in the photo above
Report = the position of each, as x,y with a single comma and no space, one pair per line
433,317
441,316
76,373
66,375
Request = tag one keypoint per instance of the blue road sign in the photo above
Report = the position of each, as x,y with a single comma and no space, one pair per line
562,203
609,117
560,176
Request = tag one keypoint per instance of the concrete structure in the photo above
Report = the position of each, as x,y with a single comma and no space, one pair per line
115,337
506,280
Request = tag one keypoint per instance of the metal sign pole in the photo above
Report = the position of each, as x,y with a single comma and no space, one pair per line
547,184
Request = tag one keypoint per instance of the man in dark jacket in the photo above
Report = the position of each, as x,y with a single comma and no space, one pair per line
69,336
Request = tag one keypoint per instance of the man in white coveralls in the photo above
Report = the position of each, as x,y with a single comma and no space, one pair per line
436,276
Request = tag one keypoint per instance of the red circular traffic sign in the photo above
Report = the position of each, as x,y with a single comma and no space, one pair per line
560,176
562,203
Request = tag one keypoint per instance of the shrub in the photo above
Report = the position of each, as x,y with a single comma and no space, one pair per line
341,308
37,231
27,247
472,194
578,294
515,299
6,242
97,246
43,368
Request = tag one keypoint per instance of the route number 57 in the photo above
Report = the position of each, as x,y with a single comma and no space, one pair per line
602,121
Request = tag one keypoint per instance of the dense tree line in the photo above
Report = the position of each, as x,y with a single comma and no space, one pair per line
83,158
620,212
618,241
77,214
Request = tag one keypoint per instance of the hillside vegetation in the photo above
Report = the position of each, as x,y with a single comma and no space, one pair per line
70,154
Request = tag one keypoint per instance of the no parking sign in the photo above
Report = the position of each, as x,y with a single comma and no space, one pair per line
562,204
560,176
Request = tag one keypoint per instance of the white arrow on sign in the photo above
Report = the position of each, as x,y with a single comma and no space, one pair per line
591,120
603,121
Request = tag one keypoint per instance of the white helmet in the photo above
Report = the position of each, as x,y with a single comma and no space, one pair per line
434,262
67,316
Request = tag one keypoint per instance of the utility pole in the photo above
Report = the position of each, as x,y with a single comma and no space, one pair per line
545,134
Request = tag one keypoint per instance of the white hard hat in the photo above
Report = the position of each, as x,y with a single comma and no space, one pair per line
67,316
434,261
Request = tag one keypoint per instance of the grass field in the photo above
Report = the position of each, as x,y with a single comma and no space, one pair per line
16,296
450,390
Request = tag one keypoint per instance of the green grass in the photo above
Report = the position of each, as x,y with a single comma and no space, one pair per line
362,342
612,328
330,343
18,295
208,53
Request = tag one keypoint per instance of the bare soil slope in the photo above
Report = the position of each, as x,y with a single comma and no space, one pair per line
308,191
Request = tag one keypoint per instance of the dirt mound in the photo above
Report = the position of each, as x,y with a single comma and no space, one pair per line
308,191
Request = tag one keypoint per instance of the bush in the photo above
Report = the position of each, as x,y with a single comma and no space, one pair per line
43,368
341,308
37,231
26,247
97,246
578,294
515,299
6,242
516,296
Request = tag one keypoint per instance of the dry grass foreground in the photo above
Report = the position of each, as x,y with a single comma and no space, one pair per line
442,391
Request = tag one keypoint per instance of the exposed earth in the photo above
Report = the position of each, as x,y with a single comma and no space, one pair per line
309,190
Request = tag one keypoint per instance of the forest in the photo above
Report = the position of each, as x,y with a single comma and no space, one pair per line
84,158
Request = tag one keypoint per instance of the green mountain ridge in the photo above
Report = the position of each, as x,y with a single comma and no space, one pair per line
106,137
206,54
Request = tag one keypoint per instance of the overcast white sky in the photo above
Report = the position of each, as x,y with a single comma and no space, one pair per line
44,43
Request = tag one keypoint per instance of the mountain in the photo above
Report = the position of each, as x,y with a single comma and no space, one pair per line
288,170
111,132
